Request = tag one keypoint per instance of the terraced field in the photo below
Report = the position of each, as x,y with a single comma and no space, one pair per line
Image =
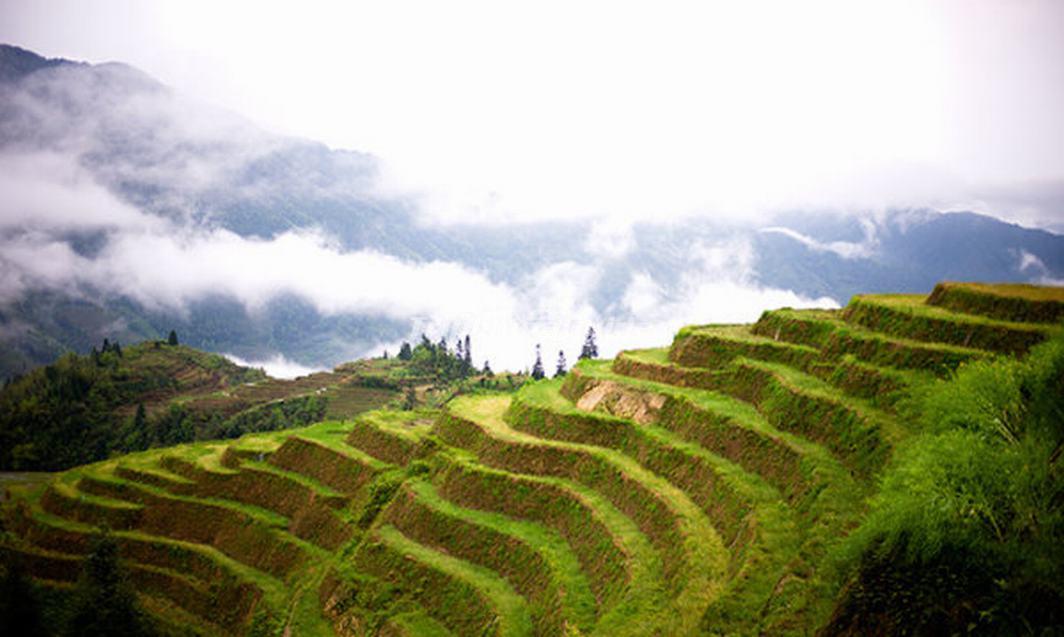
693,489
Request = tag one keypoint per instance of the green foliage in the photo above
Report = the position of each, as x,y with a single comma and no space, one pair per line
979,496
105,602
537,367
590,347
20,609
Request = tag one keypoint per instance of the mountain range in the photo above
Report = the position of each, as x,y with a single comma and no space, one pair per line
130,210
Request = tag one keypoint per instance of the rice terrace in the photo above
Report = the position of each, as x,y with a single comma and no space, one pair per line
893,464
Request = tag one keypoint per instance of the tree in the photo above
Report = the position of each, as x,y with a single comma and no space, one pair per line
20,610
560,370
172,339
468,353
537,368
590,348
104,601
487,370
140,420
405,353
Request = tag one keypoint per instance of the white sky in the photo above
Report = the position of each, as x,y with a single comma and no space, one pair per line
497,110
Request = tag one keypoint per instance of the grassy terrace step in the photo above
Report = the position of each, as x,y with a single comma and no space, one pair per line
536,561
542,411
201,562
413,624
759,528
396,437
309,517
713,346
859,435
882,387
467,599
909,316
247,535
836,338
217,611
346,470
717,422
622,568
693,557
1003,301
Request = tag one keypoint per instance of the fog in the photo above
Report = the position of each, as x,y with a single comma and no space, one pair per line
494,113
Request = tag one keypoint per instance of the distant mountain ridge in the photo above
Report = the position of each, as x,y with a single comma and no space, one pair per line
117,134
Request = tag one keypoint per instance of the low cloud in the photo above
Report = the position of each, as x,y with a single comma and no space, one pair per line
277,366
845,249
166,266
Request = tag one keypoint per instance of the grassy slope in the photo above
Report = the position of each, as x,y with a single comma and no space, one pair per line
734,444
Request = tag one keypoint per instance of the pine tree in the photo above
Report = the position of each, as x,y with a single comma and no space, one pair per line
405,353
537,368
20,610
487,369
468,353
590,348
172,339
459,353
560,370
105,602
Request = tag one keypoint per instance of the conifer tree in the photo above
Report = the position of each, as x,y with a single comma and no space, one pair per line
487,369
590,348
140,436
468,353
105,602
20,610
172,339
560,370
537,368
405,353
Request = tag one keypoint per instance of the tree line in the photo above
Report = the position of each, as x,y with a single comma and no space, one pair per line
588,351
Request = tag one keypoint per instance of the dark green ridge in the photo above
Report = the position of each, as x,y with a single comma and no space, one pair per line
836,338
1003,301
911,317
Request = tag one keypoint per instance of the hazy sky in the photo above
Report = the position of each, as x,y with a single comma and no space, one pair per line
499,110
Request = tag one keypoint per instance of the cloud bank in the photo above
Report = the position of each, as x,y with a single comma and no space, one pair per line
166,265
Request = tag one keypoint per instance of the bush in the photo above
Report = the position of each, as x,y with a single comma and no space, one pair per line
978,500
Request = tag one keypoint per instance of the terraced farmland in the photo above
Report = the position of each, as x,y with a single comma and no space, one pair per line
684,490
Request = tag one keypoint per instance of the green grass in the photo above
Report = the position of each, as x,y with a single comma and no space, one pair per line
911,317
703,554
510,608
642,604
578,602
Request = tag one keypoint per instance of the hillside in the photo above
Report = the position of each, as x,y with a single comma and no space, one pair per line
181,394
705,488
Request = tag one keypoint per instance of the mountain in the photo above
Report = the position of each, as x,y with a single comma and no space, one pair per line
831,472
130,210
